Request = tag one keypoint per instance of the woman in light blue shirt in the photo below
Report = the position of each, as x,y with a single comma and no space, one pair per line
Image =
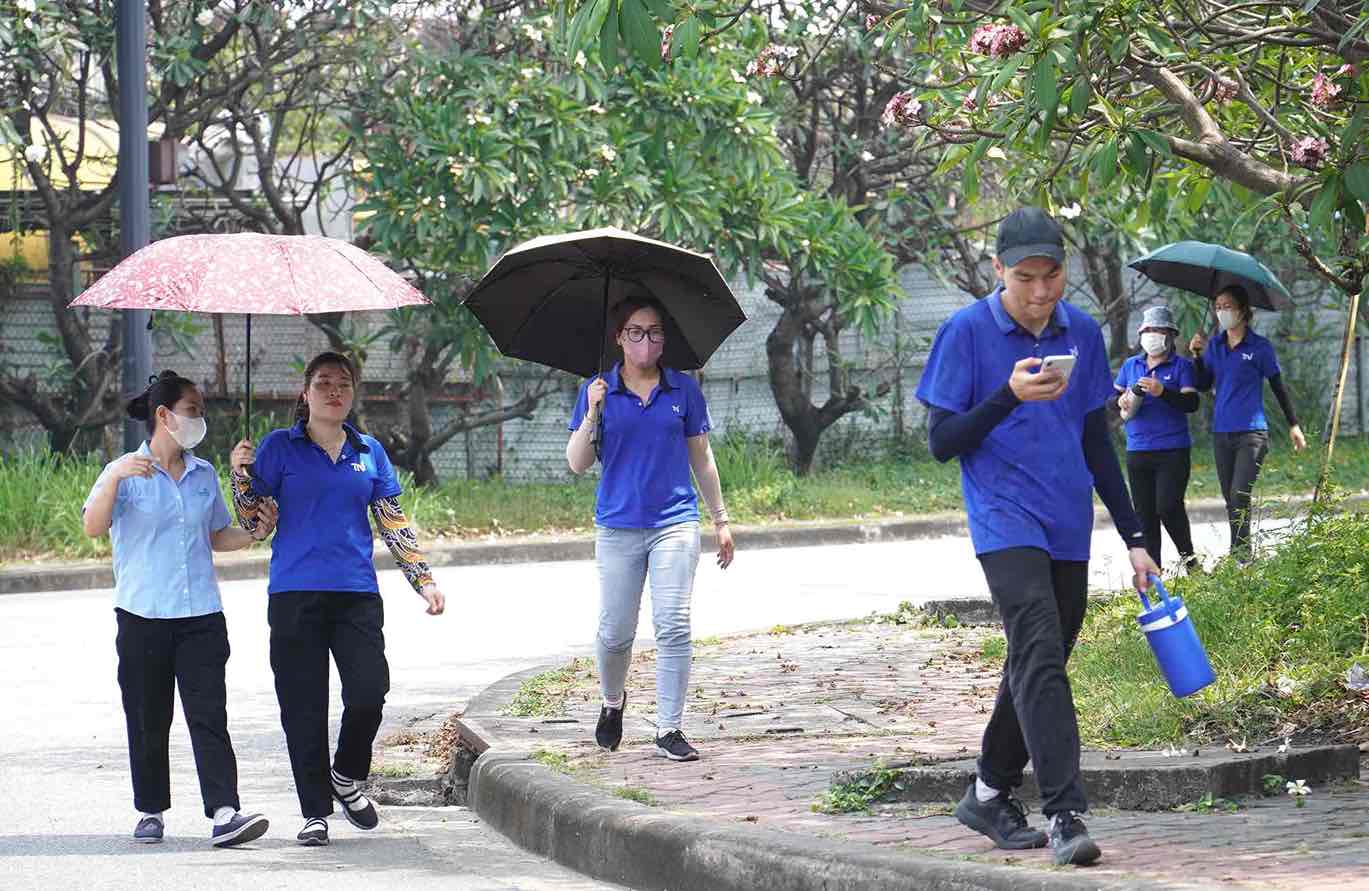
165,514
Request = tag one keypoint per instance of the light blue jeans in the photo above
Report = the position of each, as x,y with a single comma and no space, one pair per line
626,557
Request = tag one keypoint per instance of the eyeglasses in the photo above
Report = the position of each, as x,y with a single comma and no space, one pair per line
635,334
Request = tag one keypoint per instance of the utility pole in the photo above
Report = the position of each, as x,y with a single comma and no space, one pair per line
134,224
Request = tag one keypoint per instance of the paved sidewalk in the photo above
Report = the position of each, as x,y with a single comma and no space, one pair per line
779,716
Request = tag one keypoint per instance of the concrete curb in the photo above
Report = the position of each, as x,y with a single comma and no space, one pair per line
641,847
586,829
1149,781
99,574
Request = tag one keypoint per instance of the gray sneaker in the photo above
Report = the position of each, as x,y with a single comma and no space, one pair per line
148,831
1070,841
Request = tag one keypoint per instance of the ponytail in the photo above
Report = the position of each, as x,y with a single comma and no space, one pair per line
166,389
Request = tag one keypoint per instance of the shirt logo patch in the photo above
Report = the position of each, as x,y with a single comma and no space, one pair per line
1167,377
358,467
677,409
1248,356
1074,351
202,491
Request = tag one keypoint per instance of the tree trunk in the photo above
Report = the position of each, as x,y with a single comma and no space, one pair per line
801,319
419,458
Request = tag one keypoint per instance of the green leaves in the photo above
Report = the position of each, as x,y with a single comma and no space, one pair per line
639,31
1326,202
588,20
1357,181
1105,164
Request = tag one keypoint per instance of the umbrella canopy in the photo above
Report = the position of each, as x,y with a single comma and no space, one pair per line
249,273
547,300
1207,269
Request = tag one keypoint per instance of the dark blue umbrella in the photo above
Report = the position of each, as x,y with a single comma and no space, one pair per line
1208,269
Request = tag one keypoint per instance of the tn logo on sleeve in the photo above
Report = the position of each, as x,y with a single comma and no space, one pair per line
358,467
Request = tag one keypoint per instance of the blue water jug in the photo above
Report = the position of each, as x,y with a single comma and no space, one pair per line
1174,641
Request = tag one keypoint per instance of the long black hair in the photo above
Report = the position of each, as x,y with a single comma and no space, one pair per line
322,359
166,389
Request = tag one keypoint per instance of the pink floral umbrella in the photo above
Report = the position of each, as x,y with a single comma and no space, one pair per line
251,273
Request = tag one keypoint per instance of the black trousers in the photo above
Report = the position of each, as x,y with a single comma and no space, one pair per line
1042,602
156,656
1158,482
305,627
1238,457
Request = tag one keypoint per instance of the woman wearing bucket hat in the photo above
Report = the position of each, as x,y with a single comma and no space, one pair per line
1156,391
1235,366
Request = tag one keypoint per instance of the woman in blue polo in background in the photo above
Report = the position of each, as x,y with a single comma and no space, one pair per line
165,514
1156,393
325,475
655,429
1236,365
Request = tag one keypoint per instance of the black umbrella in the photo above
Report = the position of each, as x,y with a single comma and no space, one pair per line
1208,268
547,300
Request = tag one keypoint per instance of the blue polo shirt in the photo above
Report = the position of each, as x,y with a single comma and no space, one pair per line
159,532
1238,379
323,537
1027,484
1157,424
645,456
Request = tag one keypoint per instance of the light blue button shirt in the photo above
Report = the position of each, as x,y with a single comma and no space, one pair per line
160,528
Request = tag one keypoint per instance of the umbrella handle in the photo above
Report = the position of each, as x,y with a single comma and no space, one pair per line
247,413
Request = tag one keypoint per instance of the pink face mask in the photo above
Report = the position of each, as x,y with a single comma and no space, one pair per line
643,354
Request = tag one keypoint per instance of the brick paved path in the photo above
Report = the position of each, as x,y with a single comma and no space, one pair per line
777,716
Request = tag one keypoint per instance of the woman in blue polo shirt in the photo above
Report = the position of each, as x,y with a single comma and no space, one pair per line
324,597
1156,393
655,429
165,514
1236,365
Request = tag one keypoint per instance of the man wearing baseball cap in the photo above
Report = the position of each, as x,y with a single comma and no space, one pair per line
1033,446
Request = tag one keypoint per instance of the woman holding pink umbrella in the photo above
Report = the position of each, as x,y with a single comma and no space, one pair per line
325,599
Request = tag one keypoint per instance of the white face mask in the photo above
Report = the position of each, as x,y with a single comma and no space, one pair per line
189,432
1154,343
1228,318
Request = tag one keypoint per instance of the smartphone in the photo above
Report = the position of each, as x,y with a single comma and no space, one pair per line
1063,363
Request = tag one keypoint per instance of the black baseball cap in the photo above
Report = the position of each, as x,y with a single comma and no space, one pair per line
1029,232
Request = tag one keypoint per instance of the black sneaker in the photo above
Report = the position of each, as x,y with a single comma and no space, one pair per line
357,808
608,733
148,831
1002,819
315,833
239,831
1071,843
675,747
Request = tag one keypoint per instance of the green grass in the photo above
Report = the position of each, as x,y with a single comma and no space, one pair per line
635,793
544,695
41,497
855,794
1296,620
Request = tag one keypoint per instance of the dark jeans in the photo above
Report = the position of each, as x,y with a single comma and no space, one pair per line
1158,482
305,627
156,655
1042,602
1238,457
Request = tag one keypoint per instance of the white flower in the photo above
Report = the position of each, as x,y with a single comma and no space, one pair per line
513,107
737,77
596,108
608,153
867,156
580,60
879,42
1298,789
528,73
205,18
1072,211
532,32
35,154
997,154
1283,749
27,5
753,97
